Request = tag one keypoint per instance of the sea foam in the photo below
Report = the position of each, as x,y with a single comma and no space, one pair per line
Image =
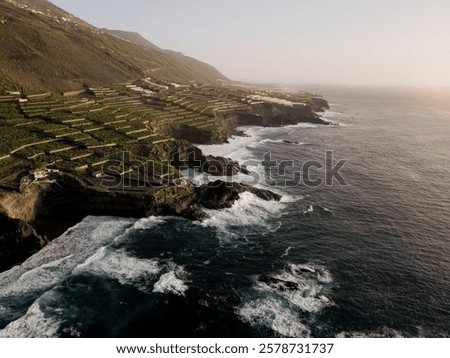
55,262
34,324
275,315
248,211
281,297
309,282
172,282
122,267
383,332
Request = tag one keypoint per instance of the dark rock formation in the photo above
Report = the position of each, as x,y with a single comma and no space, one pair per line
270,115
41,205
264,114
274,115
279,284
182,154
219,166
318,104
220,194
18,240
194,213
72,198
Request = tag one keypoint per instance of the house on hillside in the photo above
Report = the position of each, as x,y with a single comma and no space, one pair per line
39,174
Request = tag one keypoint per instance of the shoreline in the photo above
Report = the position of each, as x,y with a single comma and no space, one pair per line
37,215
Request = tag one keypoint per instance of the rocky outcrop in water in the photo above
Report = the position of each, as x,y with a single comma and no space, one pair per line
220,194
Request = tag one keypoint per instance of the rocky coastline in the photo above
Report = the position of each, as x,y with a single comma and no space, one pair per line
262,114
41,211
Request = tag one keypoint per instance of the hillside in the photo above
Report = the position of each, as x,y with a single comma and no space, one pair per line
132,37
46,48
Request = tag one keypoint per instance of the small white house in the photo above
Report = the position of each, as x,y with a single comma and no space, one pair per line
40,174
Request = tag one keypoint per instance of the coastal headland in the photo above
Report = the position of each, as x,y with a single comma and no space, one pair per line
119,151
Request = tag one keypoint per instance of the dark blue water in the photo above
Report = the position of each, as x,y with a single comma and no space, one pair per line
369,258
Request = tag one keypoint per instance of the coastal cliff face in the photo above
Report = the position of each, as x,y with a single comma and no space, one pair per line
29,218
43,211
274,114
263,114
182,154
69,197
270,115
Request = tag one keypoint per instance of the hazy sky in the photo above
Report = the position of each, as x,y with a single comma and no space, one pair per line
355,42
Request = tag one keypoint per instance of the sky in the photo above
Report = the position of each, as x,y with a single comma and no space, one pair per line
403,43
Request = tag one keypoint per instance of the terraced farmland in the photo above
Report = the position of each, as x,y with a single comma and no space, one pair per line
80,133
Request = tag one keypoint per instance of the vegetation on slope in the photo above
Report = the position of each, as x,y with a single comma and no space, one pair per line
45,48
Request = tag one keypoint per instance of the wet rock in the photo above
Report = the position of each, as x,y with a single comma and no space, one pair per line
280,284
220,194
195,214
220,166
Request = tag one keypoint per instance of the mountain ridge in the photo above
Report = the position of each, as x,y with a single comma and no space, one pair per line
46,48
134,37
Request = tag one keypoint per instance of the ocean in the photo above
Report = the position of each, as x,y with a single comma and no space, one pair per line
368,256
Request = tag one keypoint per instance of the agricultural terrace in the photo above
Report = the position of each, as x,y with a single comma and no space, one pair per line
82,132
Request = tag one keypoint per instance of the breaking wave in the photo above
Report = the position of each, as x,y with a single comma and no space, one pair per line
172,282
301,285
283,297
249,214
280,141
34,324
333,116
275,315
31,291
240,148
383,332
55,262
121,267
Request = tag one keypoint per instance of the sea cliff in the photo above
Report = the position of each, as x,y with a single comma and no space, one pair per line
39,211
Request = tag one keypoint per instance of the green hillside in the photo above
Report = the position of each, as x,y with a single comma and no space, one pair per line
45,48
